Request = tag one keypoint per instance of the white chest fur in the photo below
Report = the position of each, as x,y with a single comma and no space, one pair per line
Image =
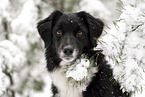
65,88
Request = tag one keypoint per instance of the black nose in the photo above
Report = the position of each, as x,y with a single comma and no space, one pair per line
68,51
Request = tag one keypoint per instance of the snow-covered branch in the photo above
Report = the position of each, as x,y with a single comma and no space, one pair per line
124,46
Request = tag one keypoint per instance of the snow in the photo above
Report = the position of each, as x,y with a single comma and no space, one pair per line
46,90
80,72
10,55
18,40
96,8
3,82
138,94
124,45
129,2
25,23
5,5
11,58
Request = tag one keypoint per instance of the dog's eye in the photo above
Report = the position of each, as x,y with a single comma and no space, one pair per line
59,32
80,33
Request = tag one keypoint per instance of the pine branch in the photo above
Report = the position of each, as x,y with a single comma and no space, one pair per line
5,25
8,74
136,27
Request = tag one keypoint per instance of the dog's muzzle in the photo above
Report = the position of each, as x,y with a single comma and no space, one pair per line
68,50
68,53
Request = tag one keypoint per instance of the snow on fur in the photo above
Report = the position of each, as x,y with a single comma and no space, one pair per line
80,72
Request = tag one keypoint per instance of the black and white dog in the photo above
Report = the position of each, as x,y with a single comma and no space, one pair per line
68,36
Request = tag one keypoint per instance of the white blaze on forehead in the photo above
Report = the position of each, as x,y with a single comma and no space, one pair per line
68,46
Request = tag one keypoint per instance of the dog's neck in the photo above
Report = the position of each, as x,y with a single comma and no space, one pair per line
67,87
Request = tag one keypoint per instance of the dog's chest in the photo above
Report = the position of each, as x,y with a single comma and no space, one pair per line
65,88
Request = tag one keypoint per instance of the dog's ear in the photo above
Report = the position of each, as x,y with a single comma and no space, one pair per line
95,26
45,26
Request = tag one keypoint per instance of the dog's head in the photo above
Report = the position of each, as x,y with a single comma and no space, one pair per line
70,34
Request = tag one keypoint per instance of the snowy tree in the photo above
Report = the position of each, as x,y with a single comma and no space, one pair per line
64,5
22,65
124,46
99,11
20,49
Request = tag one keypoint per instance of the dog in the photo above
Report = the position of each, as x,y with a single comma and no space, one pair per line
68,36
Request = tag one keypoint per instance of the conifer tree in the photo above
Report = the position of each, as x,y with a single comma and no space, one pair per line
124,46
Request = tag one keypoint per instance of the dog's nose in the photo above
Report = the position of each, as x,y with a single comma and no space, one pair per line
68,51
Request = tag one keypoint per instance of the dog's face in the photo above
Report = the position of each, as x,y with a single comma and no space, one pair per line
70,34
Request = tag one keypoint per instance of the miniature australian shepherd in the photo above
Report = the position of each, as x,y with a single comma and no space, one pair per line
68,36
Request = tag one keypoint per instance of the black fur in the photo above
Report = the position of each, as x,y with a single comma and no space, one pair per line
102,84
45,30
